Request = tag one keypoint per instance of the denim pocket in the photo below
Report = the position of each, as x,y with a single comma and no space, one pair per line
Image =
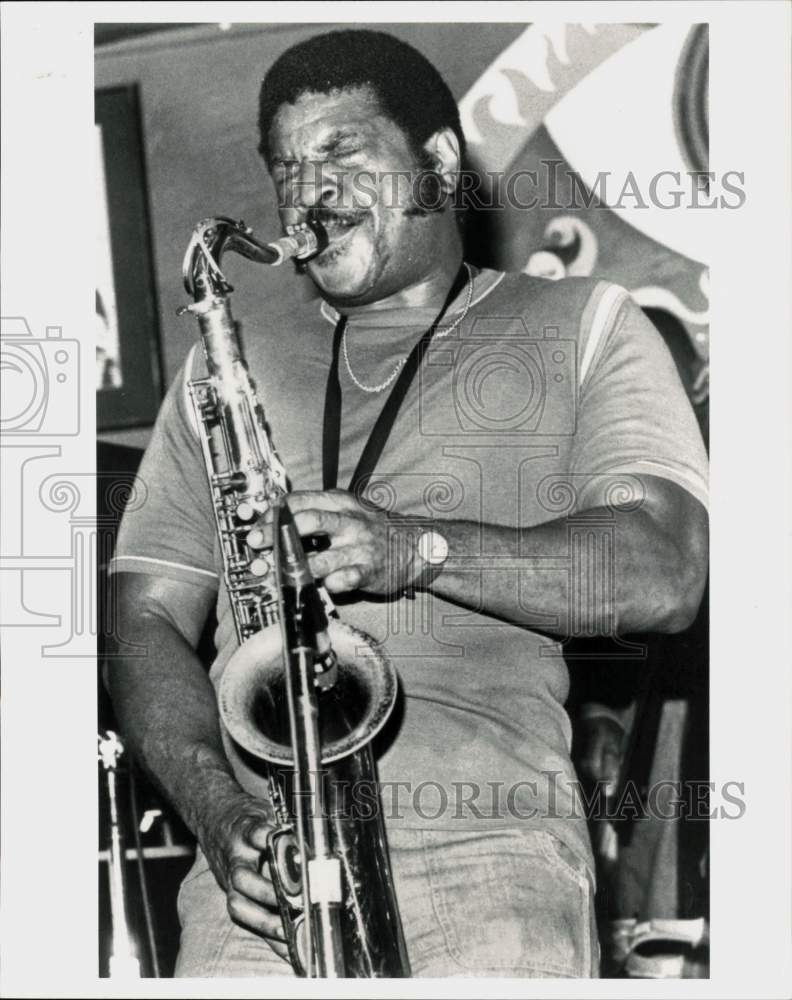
557,853
511,902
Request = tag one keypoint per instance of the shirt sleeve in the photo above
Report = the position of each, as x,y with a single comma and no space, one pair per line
633,416
171,532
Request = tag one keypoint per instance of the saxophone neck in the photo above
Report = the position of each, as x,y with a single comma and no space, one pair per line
201,269
211,238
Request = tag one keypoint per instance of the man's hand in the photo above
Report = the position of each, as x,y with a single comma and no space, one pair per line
658,565
233,840
369,549
603,751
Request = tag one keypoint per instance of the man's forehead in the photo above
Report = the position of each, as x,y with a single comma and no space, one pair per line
347,109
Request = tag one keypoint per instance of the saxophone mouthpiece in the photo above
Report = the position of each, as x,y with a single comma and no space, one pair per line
301,242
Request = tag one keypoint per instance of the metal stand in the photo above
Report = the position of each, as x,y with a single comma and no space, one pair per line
124,962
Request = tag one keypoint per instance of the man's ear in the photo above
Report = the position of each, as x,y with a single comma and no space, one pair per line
443,147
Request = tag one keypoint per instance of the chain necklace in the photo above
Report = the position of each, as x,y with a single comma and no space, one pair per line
438,336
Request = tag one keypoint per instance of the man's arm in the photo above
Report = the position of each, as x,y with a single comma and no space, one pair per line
658,568
657,571
167,710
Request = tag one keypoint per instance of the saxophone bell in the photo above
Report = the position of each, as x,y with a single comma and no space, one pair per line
252,696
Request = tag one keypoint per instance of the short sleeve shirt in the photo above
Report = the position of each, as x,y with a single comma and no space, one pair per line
547,399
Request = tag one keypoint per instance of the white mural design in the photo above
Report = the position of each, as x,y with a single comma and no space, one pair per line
587,102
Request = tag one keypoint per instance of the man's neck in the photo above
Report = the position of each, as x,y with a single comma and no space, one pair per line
429,292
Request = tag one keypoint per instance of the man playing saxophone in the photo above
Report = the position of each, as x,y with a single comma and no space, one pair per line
474,448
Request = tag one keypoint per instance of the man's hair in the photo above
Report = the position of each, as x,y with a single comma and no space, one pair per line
408,88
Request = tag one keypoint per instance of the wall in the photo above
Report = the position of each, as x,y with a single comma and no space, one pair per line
198,95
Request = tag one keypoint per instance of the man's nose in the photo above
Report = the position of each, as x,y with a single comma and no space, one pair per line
314,185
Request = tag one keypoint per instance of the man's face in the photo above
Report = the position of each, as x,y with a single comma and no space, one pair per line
338,156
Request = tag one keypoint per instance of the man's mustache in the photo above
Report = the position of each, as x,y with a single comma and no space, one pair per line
431,201
325,215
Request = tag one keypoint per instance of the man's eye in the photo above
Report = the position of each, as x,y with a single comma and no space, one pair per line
346,152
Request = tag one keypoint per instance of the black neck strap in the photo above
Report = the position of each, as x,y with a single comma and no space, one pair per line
331,436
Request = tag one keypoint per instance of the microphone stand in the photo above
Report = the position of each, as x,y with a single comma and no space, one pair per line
124,963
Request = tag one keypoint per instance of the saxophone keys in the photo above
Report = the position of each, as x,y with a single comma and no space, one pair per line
255,538
286,872
245,511
260,566
284,856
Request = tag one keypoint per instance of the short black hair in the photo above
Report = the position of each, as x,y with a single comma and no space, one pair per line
409,89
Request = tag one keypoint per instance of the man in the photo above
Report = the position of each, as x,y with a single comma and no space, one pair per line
529,392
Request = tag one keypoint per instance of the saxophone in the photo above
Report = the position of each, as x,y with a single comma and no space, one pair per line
308,712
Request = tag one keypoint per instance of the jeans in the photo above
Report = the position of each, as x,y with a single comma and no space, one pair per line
509,902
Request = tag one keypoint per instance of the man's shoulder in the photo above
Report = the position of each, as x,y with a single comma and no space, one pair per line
565,303
573,292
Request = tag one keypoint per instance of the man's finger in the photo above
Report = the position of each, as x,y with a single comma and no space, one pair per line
318,520
257,833
311,521
254,886
302,500
279,948
343,580
335,500
257,918
333,560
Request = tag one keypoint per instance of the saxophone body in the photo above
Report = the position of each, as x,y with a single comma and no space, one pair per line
329,867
